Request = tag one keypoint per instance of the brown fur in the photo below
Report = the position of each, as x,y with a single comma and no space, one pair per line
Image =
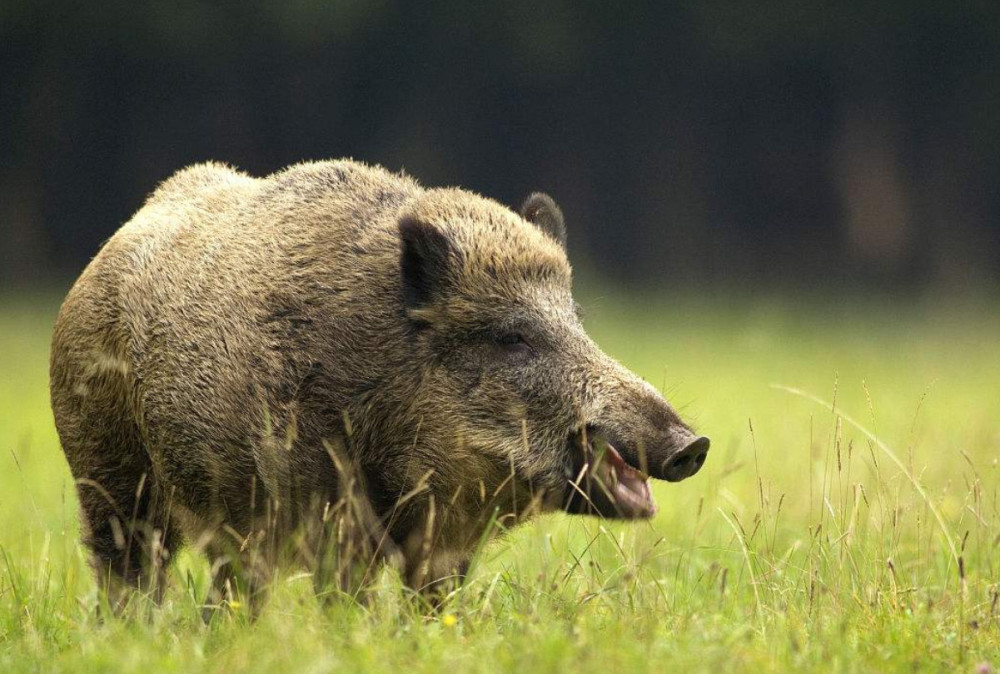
250,363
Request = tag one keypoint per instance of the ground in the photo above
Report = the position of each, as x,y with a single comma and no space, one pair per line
850,524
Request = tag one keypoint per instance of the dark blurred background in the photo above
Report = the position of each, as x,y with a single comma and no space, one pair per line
784,144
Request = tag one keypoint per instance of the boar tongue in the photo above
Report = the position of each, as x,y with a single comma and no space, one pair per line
629,487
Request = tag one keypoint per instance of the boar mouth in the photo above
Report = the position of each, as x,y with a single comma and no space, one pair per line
601,481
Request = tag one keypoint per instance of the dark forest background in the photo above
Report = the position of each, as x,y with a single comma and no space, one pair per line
695,142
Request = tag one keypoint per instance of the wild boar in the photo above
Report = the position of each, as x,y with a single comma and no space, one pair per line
249,364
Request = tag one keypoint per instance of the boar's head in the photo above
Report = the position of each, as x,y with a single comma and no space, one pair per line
511,383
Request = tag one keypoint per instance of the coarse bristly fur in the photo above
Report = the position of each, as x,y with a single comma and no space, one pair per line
336,364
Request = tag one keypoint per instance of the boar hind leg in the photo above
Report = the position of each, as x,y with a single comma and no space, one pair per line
124,516
126,527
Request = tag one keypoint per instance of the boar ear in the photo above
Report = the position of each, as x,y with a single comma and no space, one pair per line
541,210
427,255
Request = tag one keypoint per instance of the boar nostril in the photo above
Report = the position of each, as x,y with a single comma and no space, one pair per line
687,461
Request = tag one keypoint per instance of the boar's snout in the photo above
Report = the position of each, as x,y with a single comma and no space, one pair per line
685,462
643,427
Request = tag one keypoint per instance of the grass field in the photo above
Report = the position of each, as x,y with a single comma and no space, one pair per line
859,537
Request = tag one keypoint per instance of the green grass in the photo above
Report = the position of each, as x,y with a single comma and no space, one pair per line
802,545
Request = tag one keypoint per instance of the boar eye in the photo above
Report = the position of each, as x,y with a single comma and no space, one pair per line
512,343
